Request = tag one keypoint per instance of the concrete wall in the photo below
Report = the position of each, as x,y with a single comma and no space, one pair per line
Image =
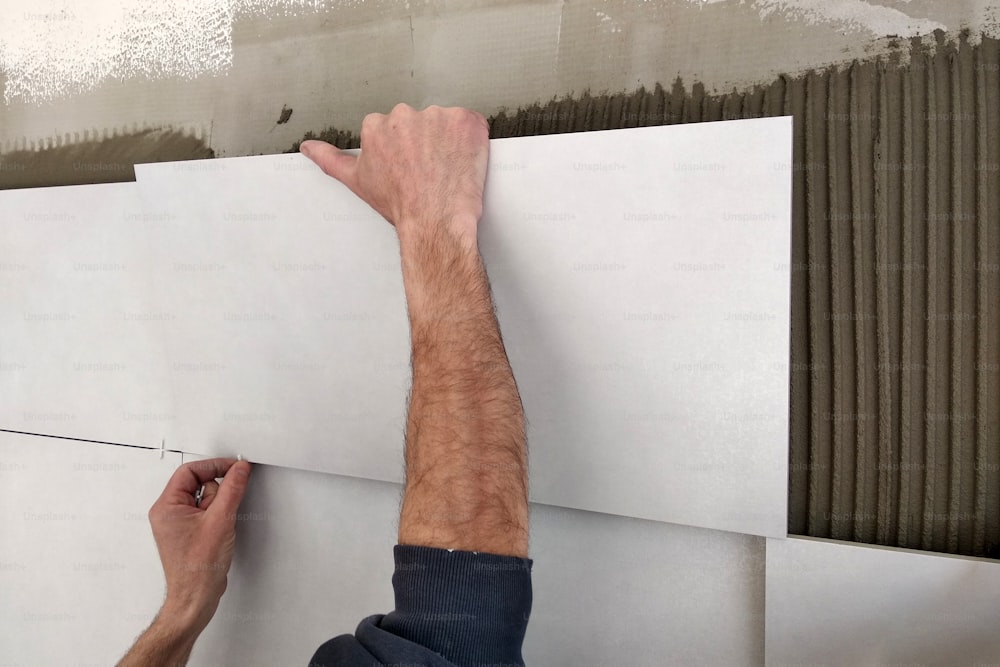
334,65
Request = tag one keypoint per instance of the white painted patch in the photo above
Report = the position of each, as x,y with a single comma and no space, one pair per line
850,15
55,48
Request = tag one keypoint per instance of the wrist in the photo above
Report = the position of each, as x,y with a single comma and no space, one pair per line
461,228
180,621
167,642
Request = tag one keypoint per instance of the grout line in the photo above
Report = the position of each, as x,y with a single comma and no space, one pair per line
96,442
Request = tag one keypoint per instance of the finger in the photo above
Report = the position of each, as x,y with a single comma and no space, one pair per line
211,489
230,493
332,161
186,479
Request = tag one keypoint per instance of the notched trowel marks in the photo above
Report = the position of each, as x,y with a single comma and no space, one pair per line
98,159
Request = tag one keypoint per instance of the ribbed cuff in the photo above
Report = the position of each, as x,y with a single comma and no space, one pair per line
470,607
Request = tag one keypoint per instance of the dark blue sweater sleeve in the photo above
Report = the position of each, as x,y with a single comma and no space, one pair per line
453,609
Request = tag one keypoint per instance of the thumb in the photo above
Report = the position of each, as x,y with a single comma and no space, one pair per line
332,161
230,494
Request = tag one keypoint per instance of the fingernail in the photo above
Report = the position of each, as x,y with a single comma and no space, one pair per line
304,148
243,469
239,457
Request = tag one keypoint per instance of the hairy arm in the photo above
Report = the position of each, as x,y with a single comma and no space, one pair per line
466,455
167,642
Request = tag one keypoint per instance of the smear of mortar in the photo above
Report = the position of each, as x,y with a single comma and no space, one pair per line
854,15
55,48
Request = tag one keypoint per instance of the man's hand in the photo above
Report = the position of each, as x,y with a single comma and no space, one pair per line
196,548
196,543
416,168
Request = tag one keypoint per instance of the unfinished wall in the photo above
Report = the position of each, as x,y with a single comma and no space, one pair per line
895,402
335,61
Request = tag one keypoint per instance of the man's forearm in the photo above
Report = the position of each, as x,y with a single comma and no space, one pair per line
167,642
466,457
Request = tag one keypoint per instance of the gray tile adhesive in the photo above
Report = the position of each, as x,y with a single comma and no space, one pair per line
106,156
895,362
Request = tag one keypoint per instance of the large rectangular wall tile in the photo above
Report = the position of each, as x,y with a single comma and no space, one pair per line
254,304
644,314
79,570
839,603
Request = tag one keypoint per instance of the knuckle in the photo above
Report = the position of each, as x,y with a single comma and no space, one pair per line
474,119
366,126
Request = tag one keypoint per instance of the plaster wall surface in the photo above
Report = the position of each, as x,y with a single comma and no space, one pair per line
334,64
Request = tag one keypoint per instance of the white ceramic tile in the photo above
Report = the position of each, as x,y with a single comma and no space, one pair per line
79,350
642,284
79,573
255,302
613,591
840,603
314,556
